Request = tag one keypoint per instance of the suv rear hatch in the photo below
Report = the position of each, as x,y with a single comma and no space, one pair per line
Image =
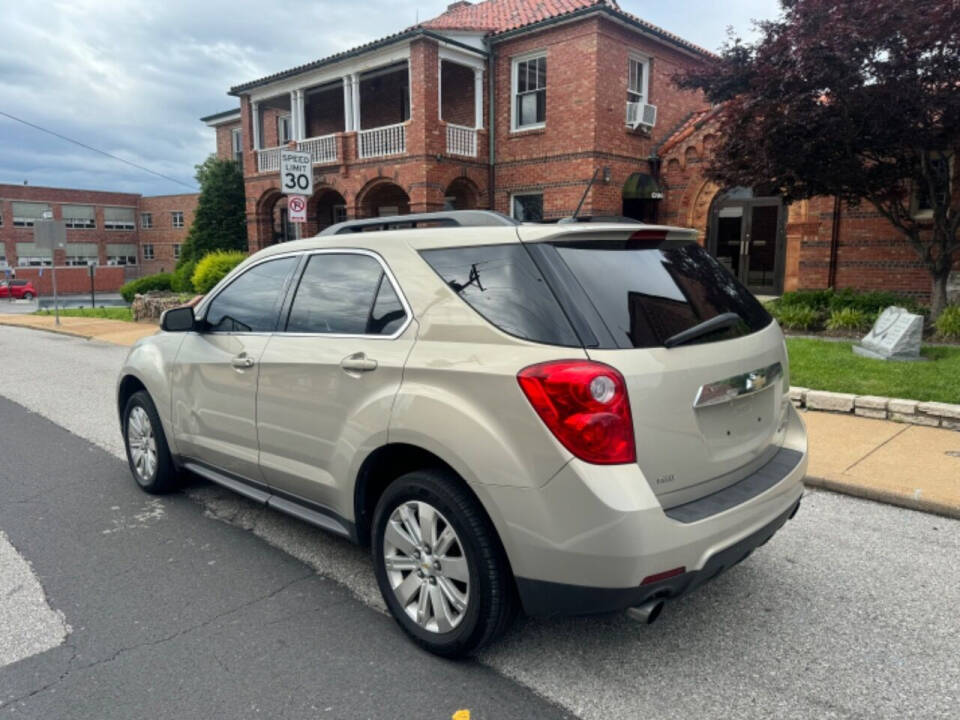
704,364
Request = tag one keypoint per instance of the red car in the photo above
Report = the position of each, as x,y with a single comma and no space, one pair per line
20,288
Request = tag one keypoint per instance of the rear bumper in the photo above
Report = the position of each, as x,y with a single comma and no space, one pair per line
542,598
586,541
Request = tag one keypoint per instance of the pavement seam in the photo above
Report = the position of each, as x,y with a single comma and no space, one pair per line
889,439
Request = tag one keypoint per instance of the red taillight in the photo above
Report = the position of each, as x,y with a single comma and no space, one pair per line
585,405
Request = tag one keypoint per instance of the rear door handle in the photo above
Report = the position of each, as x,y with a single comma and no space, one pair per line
358,362
242,361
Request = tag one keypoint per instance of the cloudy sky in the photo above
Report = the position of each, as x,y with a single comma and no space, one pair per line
132,77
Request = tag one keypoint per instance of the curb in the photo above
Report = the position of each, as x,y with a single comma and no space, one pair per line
911,502
55,331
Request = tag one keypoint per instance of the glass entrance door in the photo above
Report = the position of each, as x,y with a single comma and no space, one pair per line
745,239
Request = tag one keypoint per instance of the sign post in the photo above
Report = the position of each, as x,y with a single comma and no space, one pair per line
50,234
92,266
296,180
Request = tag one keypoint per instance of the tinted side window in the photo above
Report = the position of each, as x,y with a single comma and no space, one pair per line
251,302
345,294
502,283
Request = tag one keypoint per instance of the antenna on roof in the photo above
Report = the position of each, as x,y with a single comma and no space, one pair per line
417,16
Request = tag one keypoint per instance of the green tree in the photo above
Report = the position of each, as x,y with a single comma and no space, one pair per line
220,222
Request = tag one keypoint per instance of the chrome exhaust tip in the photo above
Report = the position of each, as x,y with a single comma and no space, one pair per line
646,613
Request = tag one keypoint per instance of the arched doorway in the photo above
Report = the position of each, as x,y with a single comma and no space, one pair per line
384,199
747,234
461,194
327,207
641,196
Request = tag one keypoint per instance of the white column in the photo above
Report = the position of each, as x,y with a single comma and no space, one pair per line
301,132
255,114
355,99
347,104
294,115
478,98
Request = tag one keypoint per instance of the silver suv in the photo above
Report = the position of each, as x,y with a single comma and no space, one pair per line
567,419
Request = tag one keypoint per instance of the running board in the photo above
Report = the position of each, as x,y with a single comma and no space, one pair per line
264,497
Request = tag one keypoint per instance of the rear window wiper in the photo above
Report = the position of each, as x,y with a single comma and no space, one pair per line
707,327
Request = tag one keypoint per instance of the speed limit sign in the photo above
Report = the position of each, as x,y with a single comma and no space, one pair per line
296,173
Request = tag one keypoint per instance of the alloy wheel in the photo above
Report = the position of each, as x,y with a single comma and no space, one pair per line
426,566
142,443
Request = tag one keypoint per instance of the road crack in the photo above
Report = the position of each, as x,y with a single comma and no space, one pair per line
151,643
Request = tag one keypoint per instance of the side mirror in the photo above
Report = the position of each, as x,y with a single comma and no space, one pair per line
179,319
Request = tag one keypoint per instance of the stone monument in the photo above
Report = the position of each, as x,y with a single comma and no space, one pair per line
896,335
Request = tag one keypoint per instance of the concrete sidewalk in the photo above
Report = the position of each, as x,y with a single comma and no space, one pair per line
908,465
117,332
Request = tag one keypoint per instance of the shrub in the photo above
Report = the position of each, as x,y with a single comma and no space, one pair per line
213,267
183,277
948,324
816,299
149,283
798,317
849,318
871,302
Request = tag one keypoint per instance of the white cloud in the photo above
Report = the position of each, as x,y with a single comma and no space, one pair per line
133,77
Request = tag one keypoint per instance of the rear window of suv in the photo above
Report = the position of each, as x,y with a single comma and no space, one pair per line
502,283
645,294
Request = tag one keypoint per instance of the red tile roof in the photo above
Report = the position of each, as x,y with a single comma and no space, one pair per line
502,15
685,129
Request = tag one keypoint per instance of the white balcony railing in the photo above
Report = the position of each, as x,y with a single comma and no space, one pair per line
322,149
461,140
382,141
268,159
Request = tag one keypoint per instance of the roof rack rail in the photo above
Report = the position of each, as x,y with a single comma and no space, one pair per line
449,218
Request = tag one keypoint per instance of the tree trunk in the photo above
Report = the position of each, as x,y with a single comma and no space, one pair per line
938,298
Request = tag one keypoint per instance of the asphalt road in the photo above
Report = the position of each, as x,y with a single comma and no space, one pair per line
849,612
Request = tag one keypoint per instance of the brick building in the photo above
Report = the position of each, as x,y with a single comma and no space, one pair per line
515,105
125,235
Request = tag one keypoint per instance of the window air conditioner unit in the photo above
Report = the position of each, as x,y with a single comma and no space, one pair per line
641,114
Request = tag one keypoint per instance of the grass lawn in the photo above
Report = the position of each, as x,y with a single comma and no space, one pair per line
109,313
825,365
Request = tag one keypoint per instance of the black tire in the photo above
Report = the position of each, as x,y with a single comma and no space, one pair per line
28,296
492,602
163,478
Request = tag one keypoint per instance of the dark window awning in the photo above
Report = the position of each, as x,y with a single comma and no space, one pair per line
641,186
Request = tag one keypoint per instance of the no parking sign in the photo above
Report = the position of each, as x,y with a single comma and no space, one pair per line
297,208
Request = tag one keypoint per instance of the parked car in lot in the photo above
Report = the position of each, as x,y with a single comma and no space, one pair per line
571,418
20,289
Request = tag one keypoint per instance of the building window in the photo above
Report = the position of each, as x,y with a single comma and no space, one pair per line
146,221
148,251
78,217
339,213
177,218
26,213
176,251
236,144
121,254
529,92
527,208
638,78
29,255
940,169
115,218
283,130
